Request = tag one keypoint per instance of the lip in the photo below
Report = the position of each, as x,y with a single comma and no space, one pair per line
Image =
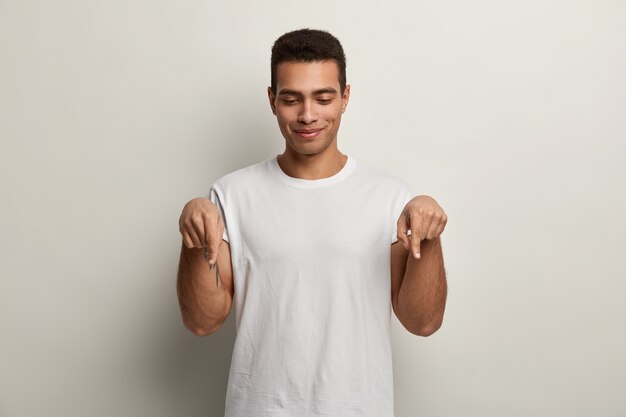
308,133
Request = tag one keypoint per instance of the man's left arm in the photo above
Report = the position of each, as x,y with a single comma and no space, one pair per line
419,287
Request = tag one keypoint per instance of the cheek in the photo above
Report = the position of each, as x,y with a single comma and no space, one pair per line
283,123
280,116
333,114
284,115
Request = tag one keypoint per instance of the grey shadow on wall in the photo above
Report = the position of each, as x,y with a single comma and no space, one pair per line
244,131
194,370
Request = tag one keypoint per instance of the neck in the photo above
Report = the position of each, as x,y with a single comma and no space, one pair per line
314,166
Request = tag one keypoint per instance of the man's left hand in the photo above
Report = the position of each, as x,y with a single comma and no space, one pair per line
424,218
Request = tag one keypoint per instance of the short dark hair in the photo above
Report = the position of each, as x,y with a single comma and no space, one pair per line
308,45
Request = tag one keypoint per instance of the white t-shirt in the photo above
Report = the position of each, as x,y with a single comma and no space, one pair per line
311,271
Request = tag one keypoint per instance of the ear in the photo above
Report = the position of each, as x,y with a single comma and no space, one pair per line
272,99
345,98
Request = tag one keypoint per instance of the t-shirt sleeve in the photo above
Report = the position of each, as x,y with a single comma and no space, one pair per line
216,196
403,195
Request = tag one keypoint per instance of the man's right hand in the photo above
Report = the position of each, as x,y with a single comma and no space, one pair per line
201,225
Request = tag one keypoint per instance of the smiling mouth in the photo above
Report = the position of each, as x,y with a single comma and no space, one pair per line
308,133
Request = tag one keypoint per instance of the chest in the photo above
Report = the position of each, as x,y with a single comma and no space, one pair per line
313,225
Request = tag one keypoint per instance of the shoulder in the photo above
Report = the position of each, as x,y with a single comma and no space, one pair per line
383,178
248,175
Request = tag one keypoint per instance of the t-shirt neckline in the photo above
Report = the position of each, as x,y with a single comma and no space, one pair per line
347,168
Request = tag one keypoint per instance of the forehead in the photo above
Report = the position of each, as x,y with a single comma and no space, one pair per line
307,76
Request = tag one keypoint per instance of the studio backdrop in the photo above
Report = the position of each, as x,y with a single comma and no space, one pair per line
510,114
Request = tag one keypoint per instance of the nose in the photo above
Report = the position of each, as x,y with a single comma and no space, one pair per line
307,113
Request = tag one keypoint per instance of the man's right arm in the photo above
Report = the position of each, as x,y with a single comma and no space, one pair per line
205,292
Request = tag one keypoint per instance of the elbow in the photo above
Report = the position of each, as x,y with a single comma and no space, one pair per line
200,330
418,327
426,330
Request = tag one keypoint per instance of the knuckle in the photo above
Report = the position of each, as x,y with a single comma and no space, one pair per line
211,212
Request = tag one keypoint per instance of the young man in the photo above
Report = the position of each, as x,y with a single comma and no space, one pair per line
307,240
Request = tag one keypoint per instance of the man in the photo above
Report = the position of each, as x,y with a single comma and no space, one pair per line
307,240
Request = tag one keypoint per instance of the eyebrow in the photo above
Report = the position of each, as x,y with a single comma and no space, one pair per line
288,92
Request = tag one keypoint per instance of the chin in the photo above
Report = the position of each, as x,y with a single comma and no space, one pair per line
312,149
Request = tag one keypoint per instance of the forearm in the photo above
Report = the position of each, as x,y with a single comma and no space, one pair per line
422,296
202,298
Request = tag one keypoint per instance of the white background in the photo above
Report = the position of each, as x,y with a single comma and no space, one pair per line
511,114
